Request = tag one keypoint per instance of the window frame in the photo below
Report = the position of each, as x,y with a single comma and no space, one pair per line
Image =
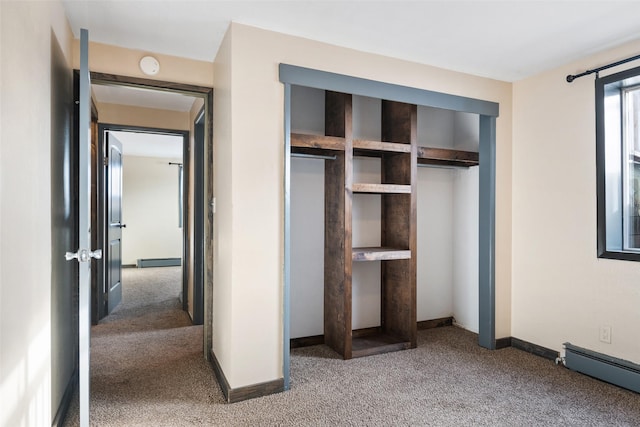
622,80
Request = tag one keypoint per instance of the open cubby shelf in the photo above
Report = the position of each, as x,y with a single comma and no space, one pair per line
377,344
379,254
444,156
381,188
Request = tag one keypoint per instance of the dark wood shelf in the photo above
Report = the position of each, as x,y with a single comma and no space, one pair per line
381,188
447,157
299,140
380,146
380,254
377,344
320,144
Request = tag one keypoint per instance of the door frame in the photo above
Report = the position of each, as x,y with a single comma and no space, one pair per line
207,236
98,300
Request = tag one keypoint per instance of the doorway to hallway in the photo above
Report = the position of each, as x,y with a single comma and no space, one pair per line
204,96
146,108
152,209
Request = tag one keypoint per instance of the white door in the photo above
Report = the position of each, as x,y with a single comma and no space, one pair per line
84,253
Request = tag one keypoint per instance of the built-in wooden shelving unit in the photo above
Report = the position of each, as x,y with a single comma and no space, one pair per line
399,156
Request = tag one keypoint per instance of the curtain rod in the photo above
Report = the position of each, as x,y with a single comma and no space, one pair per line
174,163
572,77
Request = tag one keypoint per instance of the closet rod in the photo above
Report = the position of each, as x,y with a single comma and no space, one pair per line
313,156
572,77
421,165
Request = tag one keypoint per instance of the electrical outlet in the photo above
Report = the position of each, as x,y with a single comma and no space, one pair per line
605,334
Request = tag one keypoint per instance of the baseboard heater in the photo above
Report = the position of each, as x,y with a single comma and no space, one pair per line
606,368
158,262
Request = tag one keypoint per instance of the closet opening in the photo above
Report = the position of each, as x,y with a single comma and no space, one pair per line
447,220
415,197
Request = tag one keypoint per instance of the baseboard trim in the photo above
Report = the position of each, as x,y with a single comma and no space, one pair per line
255,390
306,341
319,339
65,403
222,380
435,323
233,395
538,350
159,262
503,343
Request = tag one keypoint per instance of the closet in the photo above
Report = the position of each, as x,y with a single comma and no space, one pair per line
369,152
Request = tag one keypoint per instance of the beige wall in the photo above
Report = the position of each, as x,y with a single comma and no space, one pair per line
122,61
26,31
561,290
141,116
150,209
249,161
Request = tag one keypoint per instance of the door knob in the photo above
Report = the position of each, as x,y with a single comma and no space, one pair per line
83,255
123,225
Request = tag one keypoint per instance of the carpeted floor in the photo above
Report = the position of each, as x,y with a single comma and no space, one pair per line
148,370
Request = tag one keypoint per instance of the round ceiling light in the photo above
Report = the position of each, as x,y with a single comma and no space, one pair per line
149,65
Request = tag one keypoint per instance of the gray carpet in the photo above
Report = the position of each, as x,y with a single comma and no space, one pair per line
148,370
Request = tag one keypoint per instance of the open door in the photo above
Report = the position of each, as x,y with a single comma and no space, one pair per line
113,261
198,217
83,254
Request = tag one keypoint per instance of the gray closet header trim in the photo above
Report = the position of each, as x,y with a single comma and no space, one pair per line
301,76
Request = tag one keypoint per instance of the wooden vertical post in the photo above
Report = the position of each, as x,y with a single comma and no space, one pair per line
398,311
338,243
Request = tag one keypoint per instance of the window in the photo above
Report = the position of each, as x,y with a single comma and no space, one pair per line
618,165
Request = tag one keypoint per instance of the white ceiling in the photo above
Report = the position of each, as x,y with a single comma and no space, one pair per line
149,144
506,40
141,97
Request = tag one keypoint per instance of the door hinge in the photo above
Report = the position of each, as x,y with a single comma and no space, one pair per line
105,161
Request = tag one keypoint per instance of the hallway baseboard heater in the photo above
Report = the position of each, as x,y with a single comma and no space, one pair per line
158,262
606,368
